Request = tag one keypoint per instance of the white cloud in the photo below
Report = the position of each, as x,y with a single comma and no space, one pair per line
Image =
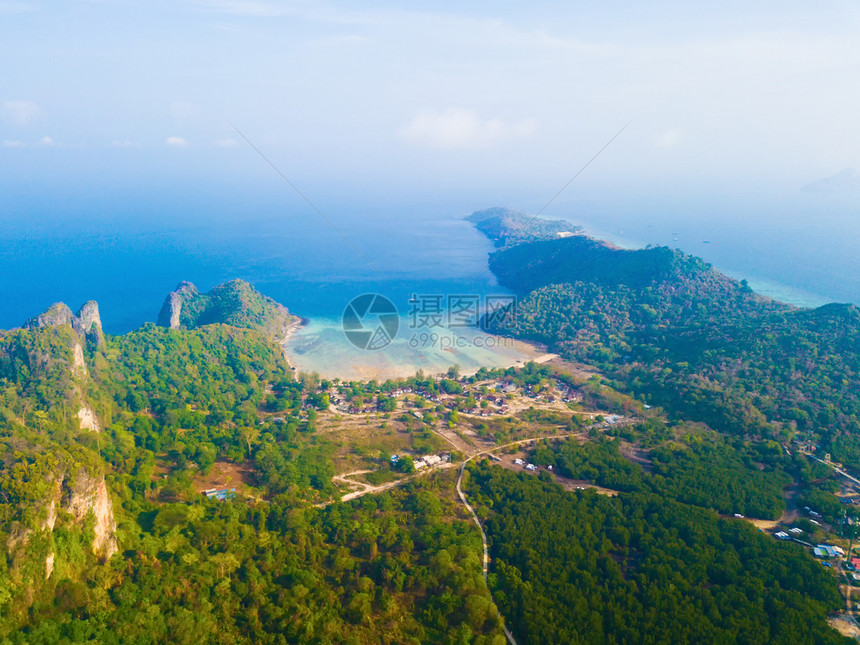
224,143
176,142
119,143
669,138
460,128
20,112
46,141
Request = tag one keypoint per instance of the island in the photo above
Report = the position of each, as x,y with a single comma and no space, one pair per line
684,469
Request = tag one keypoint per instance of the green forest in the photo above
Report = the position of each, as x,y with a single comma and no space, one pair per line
579,567
106,443
670,329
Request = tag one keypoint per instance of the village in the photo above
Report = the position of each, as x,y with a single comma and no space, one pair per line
389,433
386,434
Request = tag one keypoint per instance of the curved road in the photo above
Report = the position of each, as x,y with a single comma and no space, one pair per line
376,489
474,515
486,561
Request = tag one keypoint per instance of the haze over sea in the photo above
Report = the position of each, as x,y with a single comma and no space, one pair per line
125,163
129,254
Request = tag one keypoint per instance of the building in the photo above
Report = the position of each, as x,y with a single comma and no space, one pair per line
826,551
221,494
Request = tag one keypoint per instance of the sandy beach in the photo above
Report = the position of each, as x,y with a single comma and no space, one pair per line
320,346
287,333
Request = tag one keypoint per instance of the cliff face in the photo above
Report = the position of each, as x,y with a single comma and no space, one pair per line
56,315
89,319
71,503
234,303
87,327
88,419
87,323
171,310
89,494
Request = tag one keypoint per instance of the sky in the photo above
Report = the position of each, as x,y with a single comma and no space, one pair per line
408,98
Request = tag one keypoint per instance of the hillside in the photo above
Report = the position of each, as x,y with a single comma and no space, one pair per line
109,539
506,227
575,567
321,536
234,303
670,328
580,258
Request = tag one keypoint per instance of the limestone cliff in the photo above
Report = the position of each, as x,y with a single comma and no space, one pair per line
89,494
87,323
88,419
88,317
235,303
71,503
87,327
54,316
171,310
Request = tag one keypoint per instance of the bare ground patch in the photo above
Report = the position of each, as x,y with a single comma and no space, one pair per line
225,474
845,626
636,455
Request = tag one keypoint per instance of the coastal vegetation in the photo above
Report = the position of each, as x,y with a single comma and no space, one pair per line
671,330
506,227
182,483
579,567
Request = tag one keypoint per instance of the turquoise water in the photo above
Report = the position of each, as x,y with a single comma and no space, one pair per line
320,347
129,253
800,248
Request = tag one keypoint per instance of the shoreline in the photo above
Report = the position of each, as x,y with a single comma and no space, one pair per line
326,352
773,288
287,333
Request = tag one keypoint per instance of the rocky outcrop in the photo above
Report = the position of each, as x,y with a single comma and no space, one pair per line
56,315
51,520
88,419
88,317
88,494
78,362
73,500
234,303
49,564
171,310
87,323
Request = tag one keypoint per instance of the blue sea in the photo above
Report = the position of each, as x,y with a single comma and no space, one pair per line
129,251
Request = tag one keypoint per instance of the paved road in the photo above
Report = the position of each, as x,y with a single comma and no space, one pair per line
839,471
